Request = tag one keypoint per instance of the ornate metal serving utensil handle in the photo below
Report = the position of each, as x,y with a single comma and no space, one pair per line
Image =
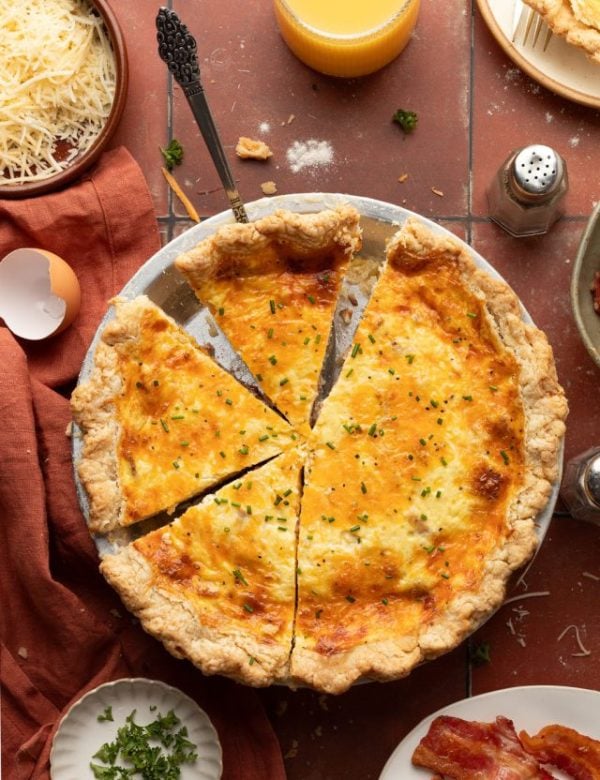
177,48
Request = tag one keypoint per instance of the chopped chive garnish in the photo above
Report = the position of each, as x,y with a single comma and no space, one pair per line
384,602
270,333
471,314
178,417
371,338
504,457
239,577
263,438
229,402
350,372
351,599
311,298
373,429
443,461
164,425
272,306
243,450
176,464
306,340
288,492
354,529
248,608
272,360
355,350
221,311
391,371
330,444
283,381
236,504
222,454
467,397
410,358
363,487
184,443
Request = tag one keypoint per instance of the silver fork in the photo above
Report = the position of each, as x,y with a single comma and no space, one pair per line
530,24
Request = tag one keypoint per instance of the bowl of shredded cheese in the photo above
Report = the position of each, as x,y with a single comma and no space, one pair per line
64,84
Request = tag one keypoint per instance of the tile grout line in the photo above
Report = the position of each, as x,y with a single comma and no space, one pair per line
469,227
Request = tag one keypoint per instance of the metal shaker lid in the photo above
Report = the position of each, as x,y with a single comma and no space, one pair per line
537,169
592,479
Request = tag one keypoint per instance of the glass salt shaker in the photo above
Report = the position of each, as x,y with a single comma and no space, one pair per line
525,196
581,486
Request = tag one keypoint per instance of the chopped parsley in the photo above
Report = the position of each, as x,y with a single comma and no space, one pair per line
154,752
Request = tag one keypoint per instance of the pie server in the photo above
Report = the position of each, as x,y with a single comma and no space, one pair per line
177,48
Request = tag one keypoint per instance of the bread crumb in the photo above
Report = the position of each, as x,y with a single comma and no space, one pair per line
22,651
268,187
293,751
291,118
69,430
249,149
437,192
403,178
346,316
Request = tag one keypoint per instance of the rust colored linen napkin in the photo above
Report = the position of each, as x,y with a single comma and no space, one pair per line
63,630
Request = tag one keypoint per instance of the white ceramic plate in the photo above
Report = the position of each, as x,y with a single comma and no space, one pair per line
562,68
530,708
80,734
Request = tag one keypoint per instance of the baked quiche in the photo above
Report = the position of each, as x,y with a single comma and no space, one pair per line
361,547
433,454
272,286
161,421
578,21
217,585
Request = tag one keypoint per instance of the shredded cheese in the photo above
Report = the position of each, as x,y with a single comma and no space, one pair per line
526,596
583,650
58,85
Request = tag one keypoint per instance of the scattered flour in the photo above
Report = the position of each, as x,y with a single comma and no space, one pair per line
264,127
309,154
574,141
549,117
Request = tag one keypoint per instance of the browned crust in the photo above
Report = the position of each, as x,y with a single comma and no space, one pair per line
173,621
545,409
561,19
260,245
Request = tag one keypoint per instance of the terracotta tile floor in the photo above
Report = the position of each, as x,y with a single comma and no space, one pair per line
474,107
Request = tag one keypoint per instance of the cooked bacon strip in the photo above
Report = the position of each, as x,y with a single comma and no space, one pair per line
566,749
468,750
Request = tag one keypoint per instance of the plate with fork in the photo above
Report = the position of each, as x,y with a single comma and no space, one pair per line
546,58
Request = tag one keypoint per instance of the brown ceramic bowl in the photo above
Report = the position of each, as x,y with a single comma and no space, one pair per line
82,162
587,264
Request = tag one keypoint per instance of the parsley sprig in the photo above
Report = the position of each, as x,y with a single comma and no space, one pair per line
152,752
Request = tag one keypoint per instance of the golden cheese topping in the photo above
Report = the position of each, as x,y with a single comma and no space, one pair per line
280,323
419,452
272,287
231,559
185,423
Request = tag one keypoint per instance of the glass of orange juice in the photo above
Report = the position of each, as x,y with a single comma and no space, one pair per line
346,38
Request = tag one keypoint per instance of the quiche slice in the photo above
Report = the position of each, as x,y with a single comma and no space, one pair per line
272,286
161,421
578,21
433,454
217,585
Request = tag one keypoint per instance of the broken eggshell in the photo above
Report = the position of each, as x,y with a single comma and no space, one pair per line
39,293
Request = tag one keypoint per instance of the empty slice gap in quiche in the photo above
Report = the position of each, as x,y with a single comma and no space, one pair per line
217,586
161,421
272,286
578,21
431,458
